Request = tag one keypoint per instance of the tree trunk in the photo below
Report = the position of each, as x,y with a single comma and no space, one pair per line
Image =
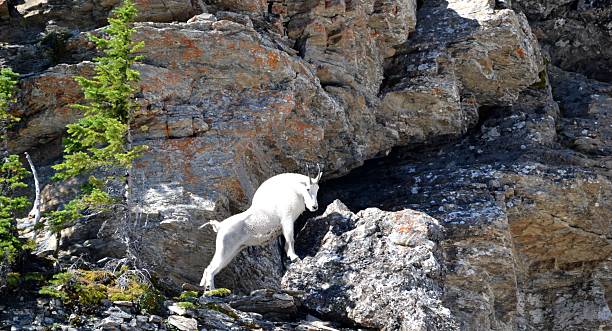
36,207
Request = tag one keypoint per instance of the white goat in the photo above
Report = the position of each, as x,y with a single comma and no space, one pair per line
277,203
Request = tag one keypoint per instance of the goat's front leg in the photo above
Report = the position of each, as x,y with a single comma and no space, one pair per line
287,226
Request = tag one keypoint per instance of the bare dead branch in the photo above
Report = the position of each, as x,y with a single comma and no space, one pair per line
36,207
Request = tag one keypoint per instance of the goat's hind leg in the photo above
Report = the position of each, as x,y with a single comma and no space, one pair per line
226,250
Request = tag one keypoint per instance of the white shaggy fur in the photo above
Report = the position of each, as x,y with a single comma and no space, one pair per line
277,203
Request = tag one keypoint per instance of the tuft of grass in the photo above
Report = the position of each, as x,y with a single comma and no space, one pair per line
186,305
220,292
543,82
151,301
189,295
33,277
87,289
13,279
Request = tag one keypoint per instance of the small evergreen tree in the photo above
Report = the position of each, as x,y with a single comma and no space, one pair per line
12,174
8,80
100,142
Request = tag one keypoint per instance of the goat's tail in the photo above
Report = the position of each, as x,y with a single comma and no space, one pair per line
213,223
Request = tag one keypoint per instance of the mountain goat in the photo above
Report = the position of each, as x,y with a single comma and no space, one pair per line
277,203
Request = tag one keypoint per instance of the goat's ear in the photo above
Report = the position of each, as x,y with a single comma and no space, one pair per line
319,177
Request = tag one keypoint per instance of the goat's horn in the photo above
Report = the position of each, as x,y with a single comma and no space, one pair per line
308,174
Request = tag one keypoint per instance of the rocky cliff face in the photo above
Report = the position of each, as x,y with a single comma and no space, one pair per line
525,205
510,155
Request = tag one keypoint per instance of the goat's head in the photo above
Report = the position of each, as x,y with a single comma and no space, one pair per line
312,188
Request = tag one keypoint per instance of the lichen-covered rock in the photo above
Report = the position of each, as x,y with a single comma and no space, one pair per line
248,89
270,304
577,35
372,269
464,54
31,312
332,91
183,323
35,35
527,237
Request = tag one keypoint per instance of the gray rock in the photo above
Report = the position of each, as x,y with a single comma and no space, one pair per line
575,34
123,303
183,323
216,130
176,309
514,231
109,323
212,319
118,313
273,305
373,269
155,319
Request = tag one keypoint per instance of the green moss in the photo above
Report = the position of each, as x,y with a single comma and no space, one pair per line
33,277
186,305
88,288
543,82
189,295
54,292
119,296
58,286
96,276
130,293
151,301
13,279
220,292
91,295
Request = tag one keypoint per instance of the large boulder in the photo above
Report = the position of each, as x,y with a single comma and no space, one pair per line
372,269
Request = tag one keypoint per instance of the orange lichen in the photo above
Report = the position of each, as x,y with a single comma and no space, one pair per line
520,52
273,59
406,228
190,50
437,91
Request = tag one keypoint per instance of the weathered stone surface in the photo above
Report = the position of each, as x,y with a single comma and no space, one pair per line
218,132
586,125
253,7
215,130
269,303
88,14
183,323
372,269
4,9
45,104
577,35
35,36
527,237
464,54
257,88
